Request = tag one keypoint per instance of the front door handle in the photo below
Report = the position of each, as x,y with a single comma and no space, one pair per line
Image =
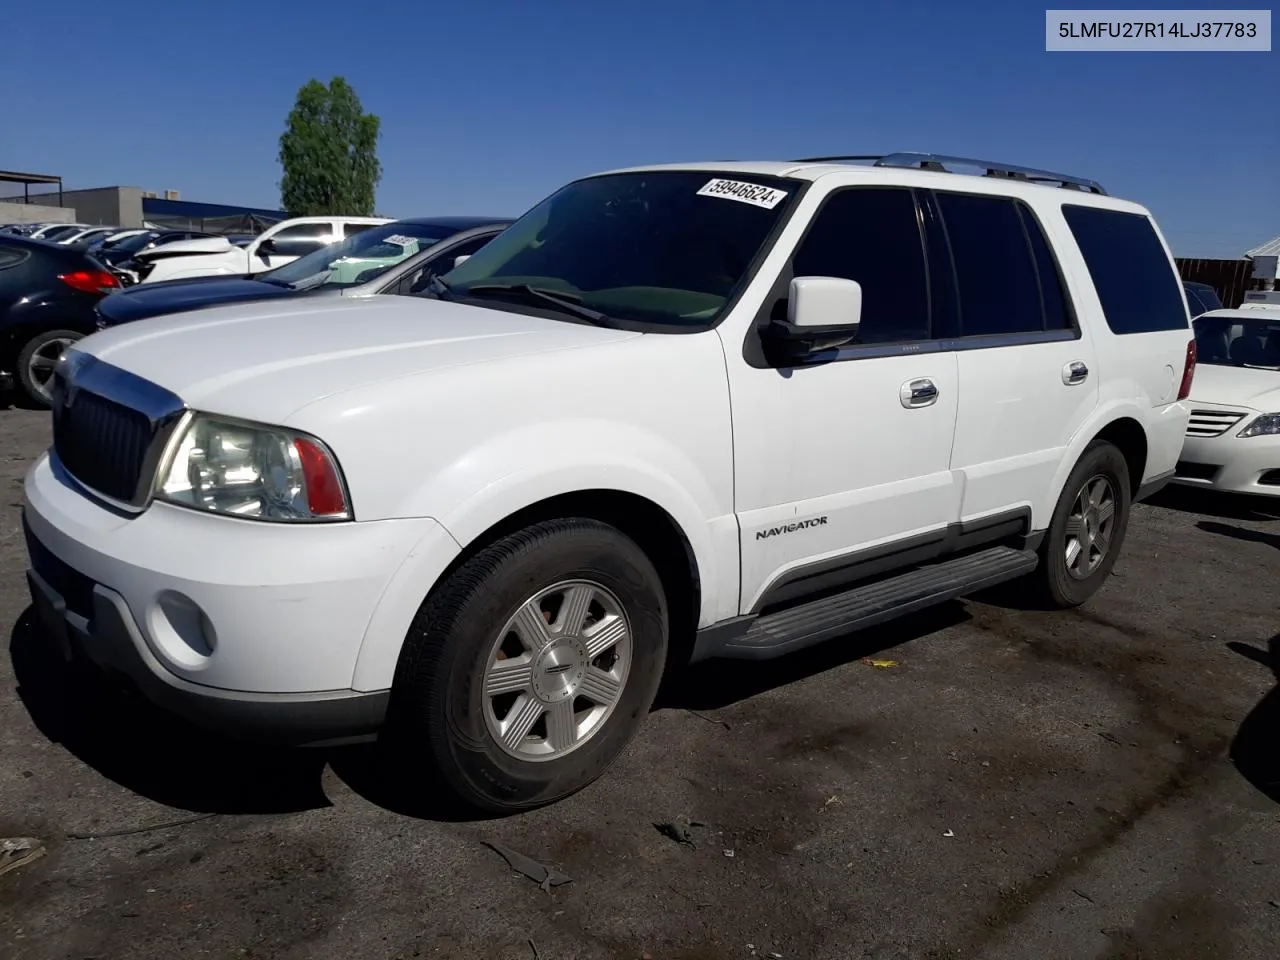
1075,372
918,393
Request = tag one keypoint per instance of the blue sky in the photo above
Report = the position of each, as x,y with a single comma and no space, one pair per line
488,106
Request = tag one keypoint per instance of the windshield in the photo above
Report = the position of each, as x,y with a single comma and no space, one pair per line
59,233
660,247
1239,342
359,258
130,244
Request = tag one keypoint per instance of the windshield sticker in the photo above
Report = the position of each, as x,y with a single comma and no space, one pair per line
400,239
751,193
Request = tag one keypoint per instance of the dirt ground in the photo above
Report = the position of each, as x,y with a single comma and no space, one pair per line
1097,784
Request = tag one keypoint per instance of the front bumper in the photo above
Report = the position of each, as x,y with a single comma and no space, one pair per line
1231,464
247,627
109,637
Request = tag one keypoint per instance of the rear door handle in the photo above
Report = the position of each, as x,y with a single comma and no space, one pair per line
918,393
1075,372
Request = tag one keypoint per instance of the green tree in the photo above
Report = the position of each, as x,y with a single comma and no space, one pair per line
328,153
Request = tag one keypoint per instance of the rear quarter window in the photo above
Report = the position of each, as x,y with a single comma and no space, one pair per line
1139,289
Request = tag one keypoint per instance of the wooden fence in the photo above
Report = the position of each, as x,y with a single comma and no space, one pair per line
1230,278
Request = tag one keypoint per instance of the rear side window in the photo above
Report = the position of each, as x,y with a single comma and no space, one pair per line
872,236
1136,283
1007,280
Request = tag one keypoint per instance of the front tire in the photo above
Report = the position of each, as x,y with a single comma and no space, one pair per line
1088,527
529,670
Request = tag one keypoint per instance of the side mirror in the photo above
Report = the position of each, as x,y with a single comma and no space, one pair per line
822,313
266,246
459,261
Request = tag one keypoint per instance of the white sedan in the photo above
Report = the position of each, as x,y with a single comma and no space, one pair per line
1233,439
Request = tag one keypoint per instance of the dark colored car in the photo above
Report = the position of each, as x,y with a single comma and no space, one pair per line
399,257
47,297
1201,298
118,254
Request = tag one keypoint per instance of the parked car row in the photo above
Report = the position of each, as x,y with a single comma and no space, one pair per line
52,295
206,256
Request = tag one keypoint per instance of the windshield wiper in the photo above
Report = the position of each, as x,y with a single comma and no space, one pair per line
566,302
315,280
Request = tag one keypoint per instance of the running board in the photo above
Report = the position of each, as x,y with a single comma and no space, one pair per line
775,634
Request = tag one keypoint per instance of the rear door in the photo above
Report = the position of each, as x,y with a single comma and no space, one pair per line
1144,339
1028,378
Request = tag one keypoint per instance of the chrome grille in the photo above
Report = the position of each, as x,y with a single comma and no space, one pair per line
1212,423
103,444
110,427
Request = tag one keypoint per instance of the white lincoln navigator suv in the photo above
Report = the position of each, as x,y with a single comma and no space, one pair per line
672,413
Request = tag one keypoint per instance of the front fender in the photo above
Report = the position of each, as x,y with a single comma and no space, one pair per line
511,472
514,470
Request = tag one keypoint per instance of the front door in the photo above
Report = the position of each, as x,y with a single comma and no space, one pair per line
846,457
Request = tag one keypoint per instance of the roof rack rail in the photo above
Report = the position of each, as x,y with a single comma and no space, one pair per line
937,162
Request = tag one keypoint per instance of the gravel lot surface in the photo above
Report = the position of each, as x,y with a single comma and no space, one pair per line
1103,783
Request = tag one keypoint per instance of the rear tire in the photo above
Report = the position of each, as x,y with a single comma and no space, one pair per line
36,361
1087,528
528,671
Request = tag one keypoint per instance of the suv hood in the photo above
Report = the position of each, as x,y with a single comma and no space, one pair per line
1237,387
263,361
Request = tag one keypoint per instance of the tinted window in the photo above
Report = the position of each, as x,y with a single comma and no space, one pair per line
298,241
872,236
995,272
1201,299
351,229
1057,313
1133,275
1195,305
444,263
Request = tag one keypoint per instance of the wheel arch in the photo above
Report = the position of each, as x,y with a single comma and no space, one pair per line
1127,434
651,525
1119,423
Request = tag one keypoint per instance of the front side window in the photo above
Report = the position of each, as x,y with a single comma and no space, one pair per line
443,262
1139,289
661,249
872,235
299,240
1227,341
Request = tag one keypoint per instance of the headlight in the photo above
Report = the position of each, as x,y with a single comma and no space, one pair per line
1267,425
254,470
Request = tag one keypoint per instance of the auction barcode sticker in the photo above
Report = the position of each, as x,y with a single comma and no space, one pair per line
752,193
